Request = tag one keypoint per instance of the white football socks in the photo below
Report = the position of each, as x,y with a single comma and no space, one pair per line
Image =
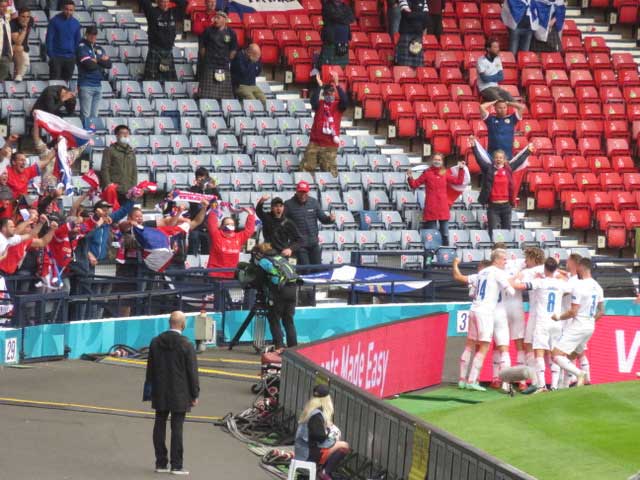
566,364
465,358
476,366
555,375
540,370
585,367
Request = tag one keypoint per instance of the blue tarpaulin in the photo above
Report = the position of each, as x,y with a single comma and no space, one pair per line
378,281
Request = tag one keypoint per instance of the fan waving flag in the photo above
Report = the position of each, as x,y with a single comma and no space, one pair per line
518,172
156,244
453,191
514,10
546,10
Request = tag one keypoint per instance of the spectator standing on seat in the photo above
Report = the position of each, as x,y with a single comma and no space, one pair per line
325,131
20,30
305,211
203,20
498,189
337,17
199,236
92,61
278,230
162,21
501,126
172,386
490,73
520,18
435,12
218,46
436,203
551,14
55,99
119,164
245,67
226,242
6,50
393,17
414,21
63,37
317,438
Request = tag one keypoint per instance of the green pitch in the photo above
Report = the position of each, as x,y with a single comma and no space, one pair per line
587,433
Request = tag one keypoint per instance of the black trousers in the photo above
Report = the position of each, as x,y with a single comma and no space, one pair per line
309,255
283,310
61,68
435,25
160,435
198,242
499,217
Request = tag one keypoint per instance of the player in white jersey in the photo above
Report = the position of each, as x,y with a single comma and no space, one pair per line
549,291
587,306
471,344
491,282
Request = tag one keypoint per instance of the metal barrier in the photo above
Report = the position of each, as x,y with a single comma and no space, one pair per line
403,445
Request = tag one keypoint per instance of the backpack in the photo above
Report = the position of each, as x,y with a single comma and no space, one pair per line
286,271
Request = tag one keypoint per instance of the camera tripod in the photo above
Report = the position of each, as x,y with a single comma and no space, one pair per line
259,312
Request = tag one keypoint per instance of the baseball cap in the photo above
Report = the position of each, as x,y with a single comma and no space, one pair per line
102,204
276,201
91,30
302,186
320,391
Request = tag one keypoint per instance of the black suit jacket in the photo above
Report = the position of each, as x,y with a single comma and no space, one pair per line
172,371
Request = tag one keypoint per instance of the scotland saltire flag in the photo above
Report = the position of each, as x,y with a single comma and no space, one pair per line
157,251
483,156
546,10
514,10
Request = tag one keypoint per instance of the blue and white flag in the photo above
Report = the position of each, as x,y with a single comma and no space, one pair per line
157,251
378,281
58,127
514,10
546,11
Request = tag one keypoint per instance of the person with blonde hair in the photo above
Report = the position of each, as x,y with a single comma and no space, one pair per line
317,438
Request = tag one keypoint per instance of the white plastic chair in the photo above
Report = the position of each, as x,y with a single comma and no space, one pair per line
296,465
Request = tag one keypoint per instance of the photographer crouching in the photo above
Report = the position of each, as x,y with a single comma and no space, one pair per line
278,282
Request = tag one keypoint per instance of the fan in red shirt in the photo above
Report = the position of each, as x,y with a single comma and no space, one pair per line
200,21
15,255
226,243
19,175
66,238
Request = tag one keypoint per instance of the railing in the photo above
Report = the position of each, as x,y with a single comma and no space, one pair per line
405,446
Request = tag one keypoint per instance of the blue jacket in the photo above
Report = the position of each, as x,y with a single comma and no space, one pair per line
63,36
99,237
90,72
243,70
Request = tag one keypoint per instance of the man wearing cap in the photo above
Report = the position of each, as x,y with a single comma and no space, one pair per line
218,46
245,67
325,131
305,212
278,230
162,20
92,60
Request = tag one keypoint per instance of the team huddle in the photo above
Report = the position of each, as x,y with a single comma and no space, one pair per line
563,309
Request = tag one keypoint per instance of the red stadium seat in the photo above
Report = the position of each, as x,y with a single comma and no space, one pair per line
534,164
450,26
566,146
539,93
616,129
599,61
599,200
631,219
356,73
415,92
571,44
568,111
450,41
599,164
563,95
556,78
623,61
576,164
470,59
542,110
450,75
298,58
542,146
545,198
624,200
490,10
270,52
299,21
380,74
553,163
403,74
611,181
253,20
365,7
359,40
587,181
277,21
470,110
532,76
327,72
427,75
286,38
473,43
310,38
581,78
579,210
467,10
528,60
508,60
611,95
368,57
448,109
587,95
589,128
560,128
612,224
530,128
563,181
571,29
628,12
591,111
438,92
605,78
632,94
552,60
575,61
629,78
425,110
312,7
623,164
470,26
589,146
430,42
614,111
370,23
404,117
437,132
617,146
461,93
459,128
446,59
596,45
480,130
538,180
391,91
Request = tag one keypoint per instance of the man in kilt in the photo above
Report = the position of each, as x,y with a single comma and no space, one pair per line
415,17
337,17
218,46
162,36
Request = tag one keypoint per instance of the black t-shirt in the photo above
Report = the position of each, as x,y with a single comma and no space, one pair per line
218,45
16,27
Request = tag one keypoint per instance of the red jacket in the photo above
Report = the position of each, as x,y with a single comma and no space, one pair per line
200,21
436,203
64,241
226,246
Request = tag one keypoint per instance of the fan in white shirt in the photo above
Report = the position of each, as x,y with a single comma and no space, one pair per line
587,306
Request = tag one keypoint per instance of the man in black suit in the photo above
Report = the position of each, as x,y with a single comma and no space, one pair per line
172,373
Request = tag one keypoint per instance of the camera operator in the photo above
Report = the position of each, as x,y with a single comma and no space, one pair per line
278,230
279,285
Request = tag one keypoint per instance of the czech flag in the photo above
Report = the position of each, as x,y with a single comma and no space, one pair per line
156,244
518,173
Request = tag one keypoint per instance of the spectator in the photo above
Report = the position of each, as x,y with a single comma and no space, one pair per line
490,73
415,17
337,17
278,230
435,12
501,127
280,290
218,46
7,200
226,243
162,36
498,189
198,236
325,131
519,18
18,174
245,67
172,386
20,30
119,164
129,266
6,50
63,36
546,37
436,202
55,99
92,60
12,259
317,438
305,212
203,20
393,17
